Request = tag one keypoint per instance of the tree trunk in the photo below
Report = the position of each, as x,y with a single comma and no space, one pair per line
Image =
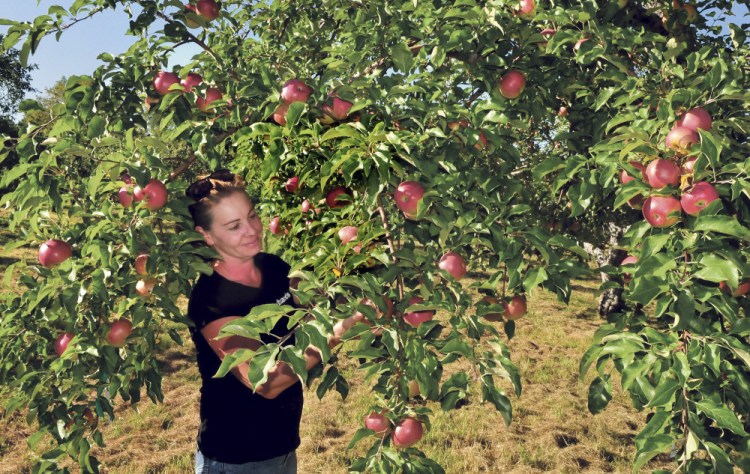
611,299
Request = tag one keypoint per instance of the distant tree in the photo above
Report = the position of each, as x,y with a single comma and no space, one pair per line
15,82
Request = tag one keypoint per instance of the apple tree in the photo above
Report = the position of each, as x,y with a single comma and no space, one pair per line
394,149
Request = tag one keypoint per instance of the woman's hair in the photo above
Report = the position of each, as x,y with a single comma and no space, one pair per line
215,190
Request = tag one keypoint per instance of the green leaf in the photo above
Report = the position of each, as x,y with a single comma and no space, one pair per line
722,225
722,415
588,358
96,126
600,394
328,380
263,361
717,269
650,448
664,393
719,458
402,56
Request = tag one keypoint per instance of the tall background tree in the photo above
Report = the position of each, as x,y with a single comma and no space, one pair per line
447,134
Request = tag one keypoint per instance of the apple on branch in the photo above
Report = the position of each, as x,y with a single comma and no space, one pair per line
338,197
279,115
662,211
119,332
140,264
292,184
154,194
408,195
274,226
512,84
295,90
415,318
742,289
526,9
145,286
62,342
336,112
515,308
164,81
696,119
212,95
407,433
681,138
628,260
347,234
208,9
378,423
191,80
660,173
454,264
54,252
625,176
695,199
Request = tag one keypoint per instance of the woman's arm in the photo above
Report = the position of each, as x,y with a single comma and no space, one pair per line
280,377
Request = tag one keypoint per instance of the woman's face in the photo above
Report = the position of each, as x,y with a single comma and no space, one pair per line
236,231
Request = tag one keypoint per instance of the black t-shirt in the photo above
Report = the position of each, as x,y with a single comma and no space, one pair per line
237,425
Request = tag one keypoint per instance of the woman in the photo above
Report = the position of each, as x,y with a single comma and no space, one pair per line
241,430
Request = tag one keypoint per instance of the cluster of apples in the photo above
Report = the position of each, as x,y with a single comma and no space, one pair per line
165,80
408,195
407,432
154,194
663,209
54,251
296,90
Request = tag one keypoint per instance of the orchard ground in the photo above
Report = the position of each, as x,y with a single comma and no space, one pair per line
552,429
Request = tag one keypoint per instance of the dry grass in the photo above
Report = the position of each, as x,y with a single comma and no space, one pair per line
552,431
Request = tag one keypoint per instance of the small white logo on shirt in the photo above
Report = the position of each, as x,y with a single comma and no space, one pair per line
283,299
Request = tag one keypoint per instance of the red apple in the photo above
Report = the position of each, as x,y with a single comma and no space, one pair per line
454,264
275,225
516,308
378,423
512,84
347,234
208,9
492,316
696,198
680,139
279,115
125,197
204,103
626,178
416,318
636,202
408,195
407,433
292,184
339,111
192,80
295,90
62,341
154,193
742,289
660,173
145,286
140,264
305,206
696,118
526,8
688,166
333,197
662,211
562,111
119,332
54,252
164,80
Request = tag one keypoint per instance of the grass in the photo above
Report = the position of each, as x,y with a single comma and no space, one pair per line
552,430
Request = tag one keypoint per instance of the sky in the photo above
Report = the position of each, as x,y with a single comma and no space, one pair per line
78,47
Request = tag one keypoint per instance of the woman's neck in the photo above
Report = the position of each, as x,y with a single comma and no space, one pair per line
239,271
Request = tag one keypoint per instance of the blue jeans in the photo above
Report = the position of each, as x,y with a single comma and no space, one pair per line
285,464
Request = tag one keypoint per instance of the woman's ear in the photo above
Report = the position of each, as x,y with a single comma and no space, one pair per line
205,234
